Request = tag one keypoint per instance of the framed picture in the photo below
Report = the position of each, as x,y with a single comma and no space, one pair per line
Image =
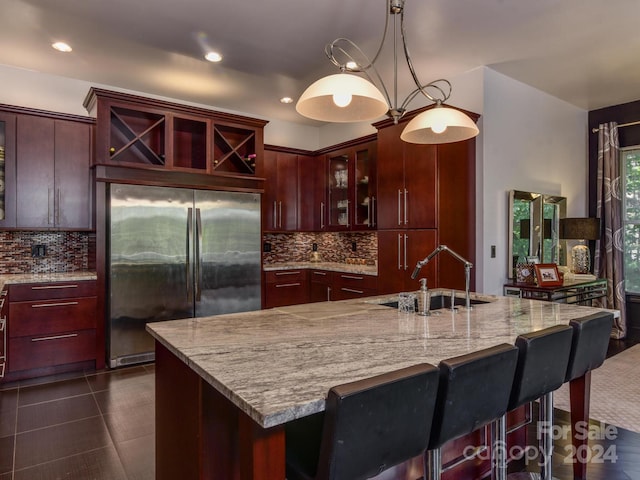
525,273
547,275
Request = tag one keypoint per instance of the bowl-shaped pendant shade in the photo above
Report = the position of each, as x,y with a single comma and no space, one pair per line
366,101
439,125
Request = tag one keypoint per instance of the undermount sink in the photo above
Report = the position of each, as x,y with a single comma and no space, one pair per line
439,302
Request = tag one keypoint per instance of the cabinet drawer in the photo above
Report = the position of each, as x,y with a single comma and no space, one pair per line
345,293
356,281
40,291
285,276
47,317
286,293
40,351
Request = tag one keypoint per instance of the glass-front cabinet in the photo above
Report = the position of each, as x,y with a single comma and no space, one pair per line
351,188
338,192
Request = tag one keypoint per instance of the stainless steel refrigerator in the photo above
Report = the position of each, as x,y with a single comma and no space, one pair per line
177,253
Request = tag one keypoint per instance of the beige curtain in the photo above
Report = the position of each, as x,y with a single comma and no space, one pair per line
609,257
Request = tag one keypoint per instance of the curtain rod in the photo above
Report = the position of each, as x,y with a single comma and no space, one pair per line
595,130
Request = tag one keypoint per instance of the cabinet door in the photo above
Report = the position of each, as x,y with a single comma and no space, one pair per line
35,172
319,286
364,189
420,180
398,253
339,203
7,170
311,188
72,203
390,179
281,192
270,195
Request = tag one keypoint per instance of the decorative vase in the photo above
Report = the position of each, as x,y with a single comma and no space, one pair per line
580,259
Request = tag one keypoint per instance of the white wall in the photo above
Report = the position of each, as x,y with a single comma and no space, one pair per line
530,141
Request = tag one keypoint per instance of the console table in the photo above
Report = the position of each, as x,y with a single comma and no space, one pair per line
575,292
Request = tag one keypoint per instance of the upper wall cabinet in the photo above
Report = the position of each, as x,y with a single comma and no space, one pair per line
148,133
350,195
46,170
7,170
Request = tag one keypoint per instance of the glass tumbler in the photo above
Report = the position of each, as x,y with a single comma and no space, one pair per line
407,302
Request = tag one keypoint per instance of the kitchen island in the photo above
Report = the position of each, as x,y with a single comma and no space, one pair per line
226,385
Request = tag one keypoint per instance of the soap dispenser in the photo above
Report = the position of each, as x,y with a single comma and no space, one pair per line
423,298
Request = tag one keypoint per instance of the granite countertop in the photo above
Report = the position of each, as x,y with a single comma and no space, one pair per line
9,278
331,266
277,365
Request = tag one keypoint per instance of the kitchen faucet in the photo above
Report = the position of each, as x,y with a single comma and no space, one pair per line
467,268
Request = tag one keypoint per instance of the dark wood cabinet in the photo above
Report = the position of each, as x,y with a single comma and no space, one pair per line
407,189
52,327
8,170
320,285
53,183
47,179
4,308
351,188
425,187
280,199
398,253
148,133
285,287
353,285
311,189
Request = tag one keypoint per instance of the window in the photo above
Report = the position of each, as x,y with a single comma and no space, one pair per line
631,218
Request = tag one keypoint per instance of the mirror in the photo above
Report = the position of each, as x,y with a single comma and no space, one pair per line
534,222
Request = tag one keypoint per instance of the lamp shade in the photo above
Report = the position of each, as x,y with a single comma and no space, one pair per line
580,228
366,101
439,125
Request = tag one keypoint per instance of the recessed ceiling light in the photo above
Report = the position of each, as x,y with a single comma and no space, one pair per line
213,56
286,100
61,47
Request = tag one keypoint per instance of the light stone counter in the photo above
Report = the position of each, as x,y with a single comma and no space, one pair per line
10,278
278,364
330,266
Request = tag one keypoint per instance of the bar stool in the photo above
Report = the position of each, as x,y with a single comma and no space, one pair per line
543,357
588,351
368,426
474,390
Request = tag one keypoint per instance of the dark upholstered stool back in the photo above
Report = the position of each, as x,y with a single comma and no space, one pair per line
590,342
474,390
368,426
542,363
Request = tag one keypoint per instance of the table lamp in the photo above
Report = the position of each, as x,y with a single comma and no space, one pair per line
580,229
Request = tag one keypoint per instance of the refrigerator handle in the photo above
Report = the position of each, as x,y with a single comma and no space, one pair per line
198,259
189,243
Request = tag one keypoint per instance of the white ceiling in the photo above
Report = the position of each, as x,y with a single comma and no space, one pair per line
582,51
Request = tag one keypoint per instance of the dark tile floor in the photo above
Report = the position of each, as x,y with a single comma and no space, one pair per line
94,426
100,426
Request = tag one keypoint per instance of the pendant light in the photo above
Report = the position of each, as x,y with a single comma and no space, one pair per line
346,97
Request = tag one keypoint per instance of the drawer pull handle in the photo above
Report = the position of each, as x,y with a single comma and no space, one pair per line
320,273
352,277
295,272
2,370
352,290
55,337
52,287
288,285
3,322
59,304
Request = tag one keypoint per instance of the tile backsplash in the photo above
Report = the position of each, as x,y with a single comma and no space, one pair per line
332,247
65,252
